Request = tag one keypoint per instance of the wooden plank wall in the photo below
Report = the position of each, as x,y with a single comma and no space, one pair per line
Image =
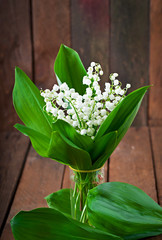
125,37
51,27
129,46
155,99
15,49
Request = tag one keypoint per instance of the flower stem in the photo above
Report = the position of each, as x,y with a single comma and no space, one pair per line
75,112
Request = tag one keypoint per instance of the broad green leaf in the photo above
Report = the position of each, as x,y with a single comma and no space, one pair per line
60,201
65,153
120,134
29,104
108,148
102,149
69,132
39,141
69,68
124,127
49,224
124,210
120,114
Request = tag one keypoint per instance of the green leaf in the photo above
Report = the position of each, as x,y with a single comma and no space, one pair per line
29,104
60,201
107,147
69,68
67,131
65,153
120,114
49,224
102,149
124,210
124,127
39,141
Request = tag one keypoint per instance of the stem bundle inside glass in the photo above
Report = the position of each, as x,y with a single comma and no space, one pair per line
81,183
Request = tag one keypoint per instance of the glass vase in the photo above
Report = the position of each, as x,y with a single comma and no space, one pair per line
81,182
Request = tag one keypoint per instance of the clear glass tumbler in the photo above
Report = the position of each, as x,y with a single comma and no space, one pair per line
81,182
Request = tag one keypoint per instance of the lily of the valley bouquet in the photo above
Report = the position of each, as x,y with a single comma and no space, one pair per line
78,125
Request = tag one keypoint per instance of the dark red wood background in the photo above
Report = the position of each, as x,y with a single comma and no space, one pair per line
123,36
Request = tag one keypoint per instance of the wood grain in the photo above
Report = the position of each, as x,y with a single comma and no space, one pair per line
13,147
15,50
155,99
40,177
129,46
90,32
51,27
132,161
156,134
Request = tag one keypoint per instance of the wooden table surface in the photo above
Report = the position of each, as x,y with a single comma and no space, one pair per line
27,178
